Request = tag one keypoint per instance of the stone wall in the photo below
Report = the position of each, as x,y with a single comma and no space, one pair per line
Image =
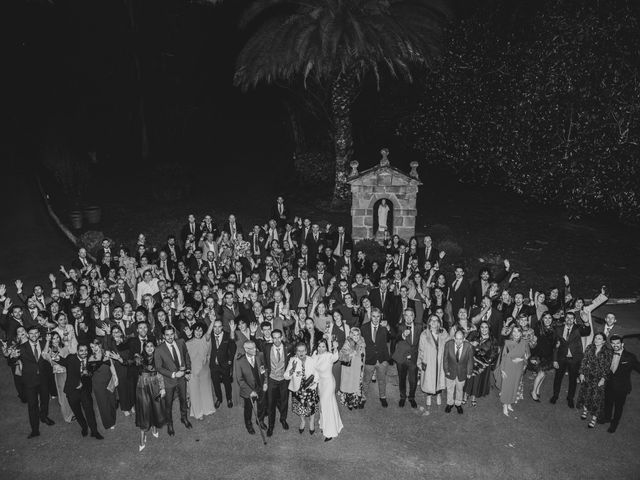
383,182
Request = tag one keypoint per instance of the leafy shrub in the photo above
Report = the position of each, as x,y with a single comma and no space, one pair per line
552,114
314,166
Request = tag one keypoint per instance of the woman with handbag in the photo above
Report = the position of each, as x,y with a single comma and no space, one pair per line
352,360
303,383
149,395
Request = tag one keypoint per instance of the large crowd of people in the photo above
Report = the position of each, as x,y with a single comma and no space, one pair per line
292,307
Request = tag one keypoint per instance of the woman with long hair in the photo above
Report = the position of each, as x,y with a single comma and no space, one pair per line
352,359
330,421
594,370
485,355
150,393
541,360
199,385
55,347
430,360
103,384
508,374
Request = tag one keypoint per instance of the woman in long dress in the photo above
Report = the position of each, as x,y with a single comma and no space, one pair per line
102,385
508,375
330,421
594,369
485,355
56,347
430,360
119,353
200,386
352,359
541,360
149,395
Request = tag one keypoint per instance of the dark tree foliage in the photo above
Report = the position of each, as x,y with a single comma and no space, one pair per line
549,110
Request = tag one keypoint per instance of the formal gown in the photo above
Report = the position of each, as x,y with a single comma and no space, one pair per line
105,399
510,385
60,374
484,359
200,386
330,421
594,367
149,403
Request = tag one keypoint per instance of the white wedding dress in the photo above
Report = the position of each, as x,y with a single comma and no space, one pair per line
330,421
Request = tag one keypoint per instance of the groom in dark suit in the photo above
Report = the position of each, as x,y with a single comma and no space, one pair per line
36,391
406,356
618,384
221,362
173,363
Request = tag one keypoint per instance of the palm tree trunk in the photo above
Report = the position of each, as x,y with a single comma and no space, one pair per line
344,91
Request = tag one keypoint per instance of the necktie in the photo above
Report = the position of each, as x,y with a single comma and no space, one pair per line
277,311
217,341
304,293
615,362
458,350
411,337
375,333
174,354
35,353
142,342
280,208
340,243
383,295
566,333
278,355
192,227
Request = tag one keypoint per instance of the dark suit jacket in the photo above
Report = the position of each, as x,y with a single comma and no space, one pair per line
406,349
275,213
574,343
33,372
389,302
341,262
74,377
433,257
185,231
375,351
454,369
165,364
117,299
167,250
460,298
134,343
397,310
245,377
347,242
224,354
266,351
620,382
227,228
495,320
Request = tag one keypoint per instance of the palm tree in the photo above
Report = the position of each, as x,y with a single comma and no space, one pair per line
337,43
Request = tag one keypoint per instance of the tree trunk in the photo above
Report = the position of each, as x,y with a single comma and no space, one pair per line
344,91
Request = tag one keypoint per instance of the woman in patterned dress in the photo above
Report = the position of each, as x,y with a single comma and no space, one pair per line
593,373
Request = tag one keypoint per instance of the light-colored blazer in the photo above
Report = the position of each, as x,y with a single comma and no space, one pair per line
295,375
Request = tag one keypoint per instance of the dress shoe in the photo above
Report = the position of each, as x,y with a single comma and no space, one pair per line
570,403
269,431
553,400
170,430
251,430
300,430
311,432
34,434
612,428
402,402
384,403
48,421
285,425
413,403
97,436
459,409
84,432
261,424
448,408
186,422
217,404
230,404
326,439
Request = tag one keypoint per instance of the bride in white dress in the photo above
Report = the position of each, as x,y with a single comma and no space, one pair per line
330,422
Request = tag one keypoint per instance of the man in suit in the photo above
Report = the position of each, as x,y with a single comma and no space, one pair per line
122,294
14,321
609,329
208,226
36,390
279,212
486,313
172,249
257,239
406,357
190,228
250,374
315,239
83,325
402,303
173,363
430,253
166,266
458,366
142,336
300,290
618,384
480,287
460,292
383,299
103,250
340,241
276,358
232,227
567,356
77,388
81,262
403,259
221,362
346,262
321,273
376,335
520,308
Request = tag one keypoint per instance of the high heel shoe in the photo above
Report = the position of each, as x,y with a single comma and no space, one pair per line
535,397
311,432
156,433
141,447
327,439
300,430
